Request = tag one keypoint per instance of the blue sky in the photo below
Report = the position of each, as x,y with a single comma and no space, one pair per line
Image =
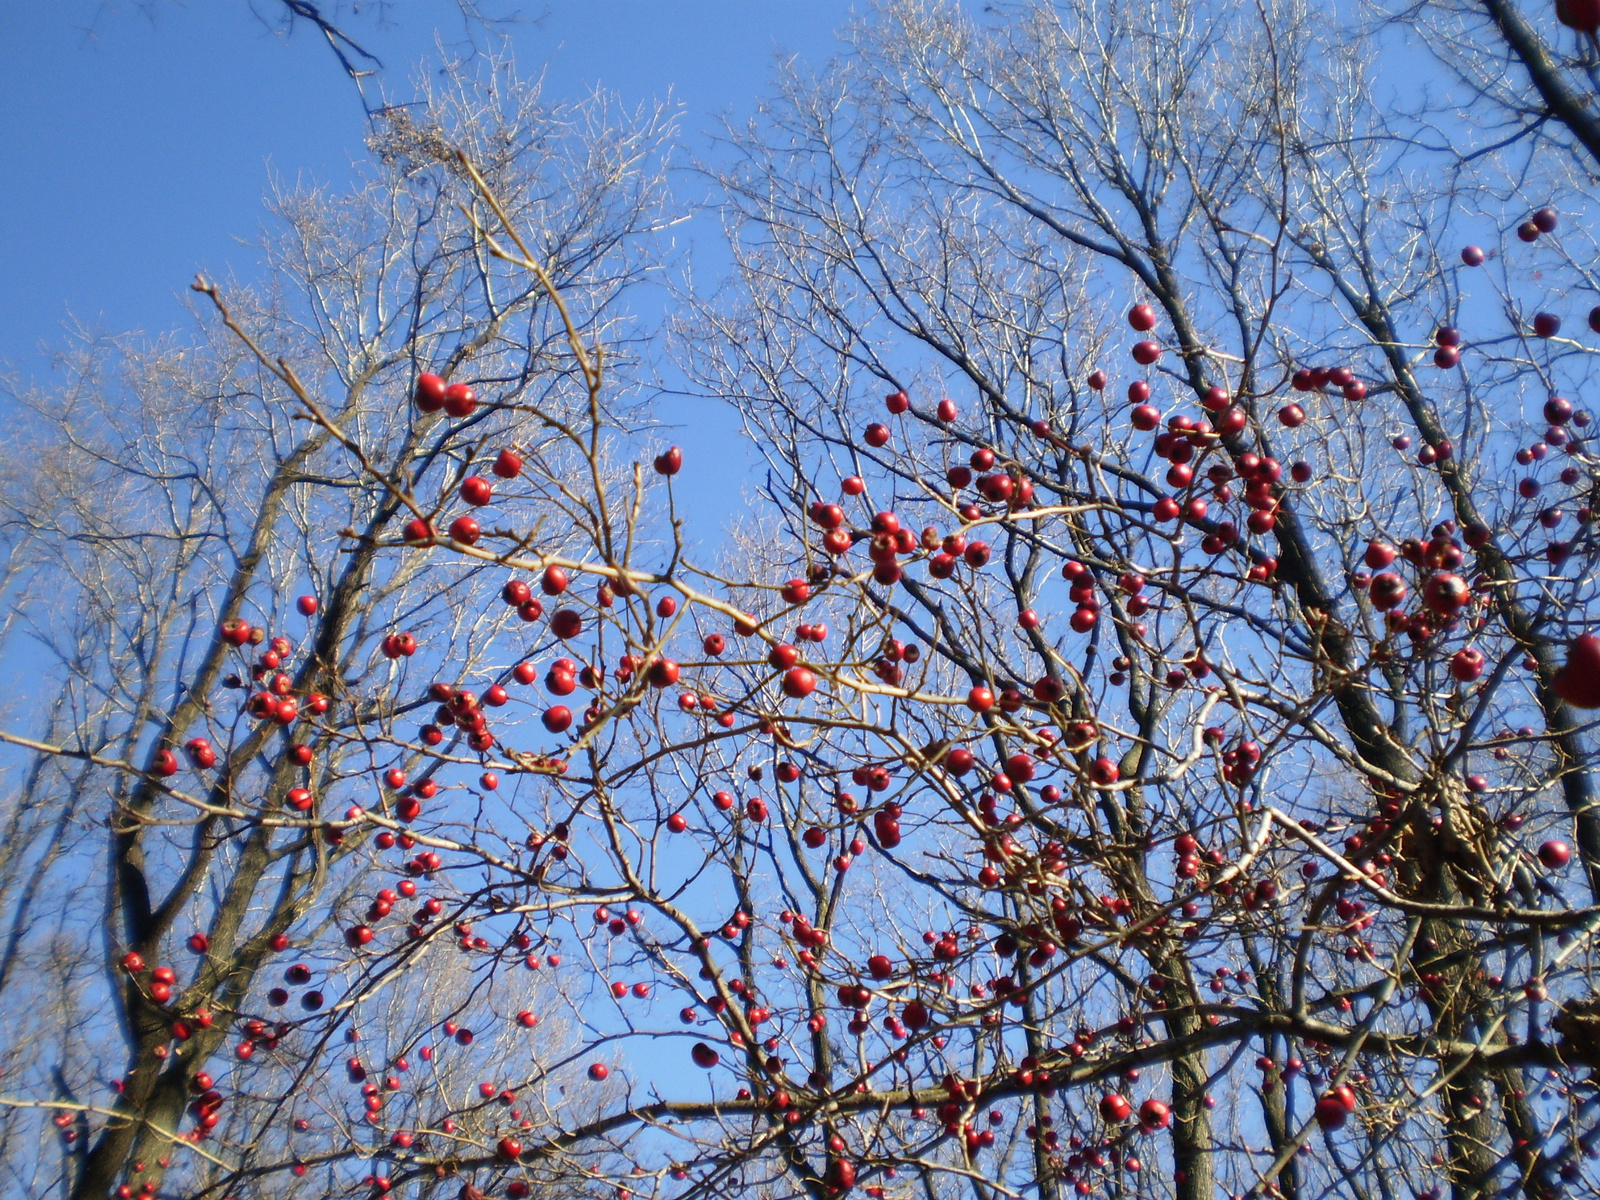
138,145
137,148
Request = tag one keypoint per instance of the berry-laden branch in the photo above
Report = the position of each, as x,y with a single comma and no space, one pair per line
1055,784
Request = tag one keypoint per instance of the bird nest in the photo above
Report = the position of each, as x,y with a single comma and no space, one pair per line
1579,1026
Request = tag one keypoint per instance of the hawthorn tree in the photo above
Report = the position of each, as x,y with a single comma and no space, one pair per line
1137,743
190,539
940,212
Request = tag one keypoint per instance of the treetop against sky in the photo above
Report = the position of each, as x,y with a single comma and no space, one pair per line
1017,620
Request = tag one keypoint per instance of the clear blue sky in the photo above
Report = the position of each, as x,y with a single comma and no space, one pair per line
137,145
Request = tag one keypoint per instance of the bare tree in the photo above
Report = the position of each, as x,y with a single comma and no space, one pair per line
937,214
1068,778
178,491
346,30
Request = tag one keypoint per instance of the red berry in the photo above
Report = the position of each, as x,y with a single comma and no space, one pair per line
1115,1108
1154,1114
1555,855
798,683
1145,417
1466,665
1331,1113
429,392
1578,682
